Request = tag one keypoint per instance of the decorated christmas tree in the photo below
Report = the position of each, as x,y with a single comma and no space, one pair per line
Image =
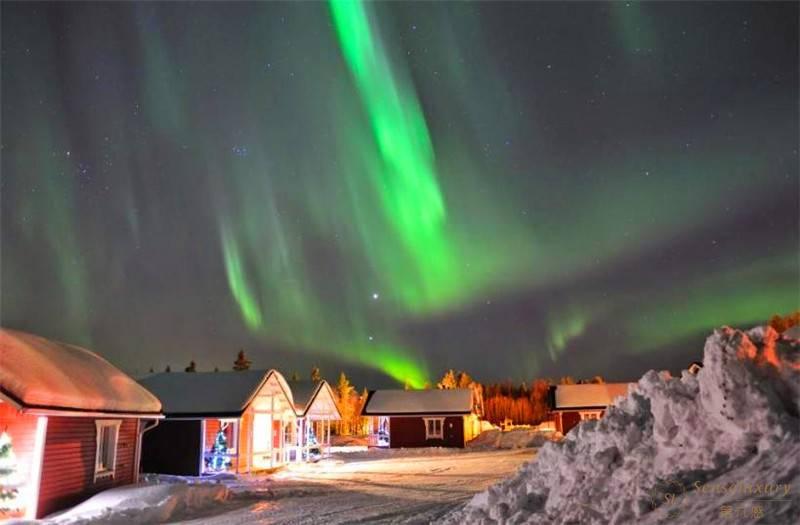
219,458
8,474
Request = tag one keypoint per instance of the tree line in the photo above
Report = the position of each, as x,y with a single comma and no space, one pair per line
521,404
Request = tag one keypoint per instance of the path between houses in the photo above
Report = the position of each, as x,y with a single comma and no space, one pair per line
395,487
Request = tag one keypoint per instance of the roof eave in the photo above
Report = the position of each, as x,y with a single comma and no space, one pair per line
418,414
55,410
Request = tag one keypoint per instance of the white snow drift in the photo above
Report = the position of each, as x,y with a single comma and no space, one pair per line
516,438
674,448
141,504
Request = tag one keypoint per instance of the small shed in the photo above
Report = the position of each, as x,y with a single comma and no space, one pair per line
233,421
70,425
571,404
315,406
422,418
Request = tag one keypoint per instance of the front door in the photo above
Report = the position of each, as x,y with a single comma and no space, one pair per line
263,440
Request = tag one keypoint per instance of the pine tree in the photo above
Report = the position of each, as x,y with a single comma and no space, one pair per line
363,422
8,470
216,369
316,376
151,370
220,459
168,369
191,368
344,394
241,363
463,380
448,381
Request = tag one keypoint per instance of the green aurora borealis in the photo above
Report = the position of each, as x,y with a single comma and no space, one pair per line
511,189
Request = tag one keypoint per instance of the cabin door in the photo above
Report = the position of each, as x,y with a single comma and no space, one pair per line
262,440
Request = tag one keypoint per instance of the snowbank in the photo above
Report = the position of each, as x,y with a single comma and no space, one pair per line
141,504
674,448
516,438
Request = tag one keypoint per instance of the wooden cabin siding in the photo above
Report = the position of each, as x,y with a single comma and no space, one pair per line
212,427
409,431
566,420
69,462
172,447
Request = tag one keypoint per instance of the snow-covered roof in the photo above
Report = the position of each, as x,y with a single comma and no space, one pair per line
413,402
37,373
209,393
306,394
302,392
588,395
792,333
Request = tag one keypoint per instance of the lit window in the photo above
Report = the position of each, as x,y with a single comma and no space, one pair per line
594,414
106,456
434,427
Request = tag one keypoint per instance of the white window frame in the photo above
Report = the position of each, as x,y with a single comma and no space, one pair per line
431,433
102,471
591,414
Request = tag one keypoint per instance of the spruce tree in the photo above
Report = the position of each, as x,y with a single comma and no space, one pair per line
344,393
241,363
8,470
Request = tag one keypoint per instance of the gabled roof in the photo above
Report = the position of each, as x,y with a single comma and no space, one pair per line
306,392
588,395
37,373
418,402
303,392
207,394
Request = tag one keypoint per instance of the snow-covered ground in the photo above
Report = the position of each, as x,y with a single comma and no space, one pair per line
386,486
378,486
722,446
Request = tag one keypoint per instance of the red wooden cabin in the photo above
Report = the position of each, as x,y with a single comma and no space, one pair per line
423,418
74,423
571,404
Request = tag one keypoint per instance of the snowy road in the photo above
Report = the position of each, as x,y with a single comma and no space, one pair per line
409,487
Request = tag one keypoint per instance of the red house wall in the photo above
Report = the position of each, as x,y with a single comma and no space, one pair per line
68,463
566,420
212,427
410,432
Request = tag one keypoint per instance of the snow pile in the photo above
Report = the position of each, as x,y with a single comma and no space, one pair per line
486,425
734,424
141,504
516,438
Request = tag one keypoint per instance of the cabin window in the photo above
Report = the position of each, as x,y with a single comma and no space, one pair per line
106,455
434,427
594,414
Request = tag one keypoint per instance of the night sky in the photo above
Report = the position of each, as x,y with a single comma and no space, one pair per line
514,189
